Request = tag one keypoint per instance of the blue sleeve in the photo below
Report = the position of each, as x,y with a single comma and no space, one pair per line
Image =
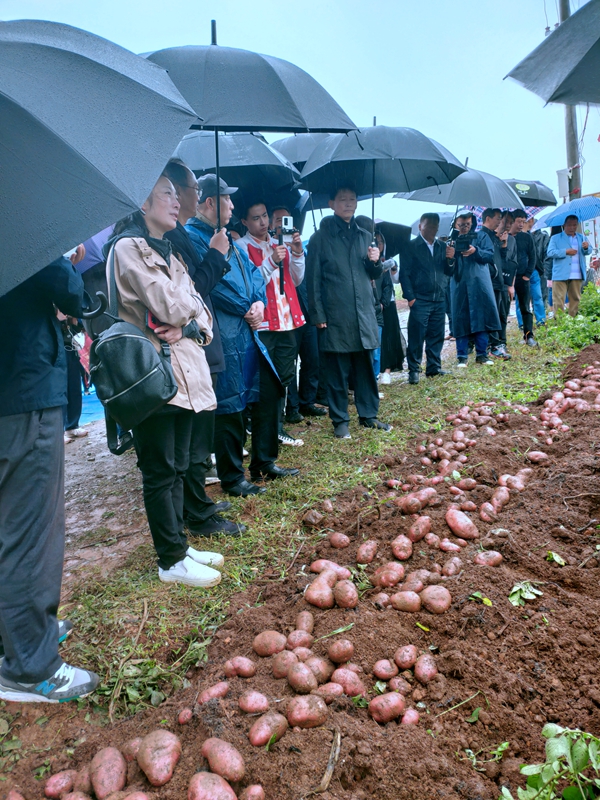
62,285
484,250
554,251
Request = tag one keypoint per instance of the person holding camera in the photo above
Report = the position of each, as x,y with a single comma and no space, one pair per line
341,263
568,251
283,314
474,311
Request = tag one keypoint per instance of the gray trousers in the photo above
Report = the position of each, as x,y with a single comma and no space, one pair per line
32,540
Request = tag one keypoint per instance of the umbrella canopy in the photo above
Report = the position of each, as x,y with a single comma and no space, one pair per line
533,193
215,81
379,160
298,148
473,187
565,67
583,208
87,128
396,236
446,219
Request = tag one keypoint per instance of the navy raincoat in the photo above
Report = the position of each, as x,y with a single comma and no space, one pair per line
474,307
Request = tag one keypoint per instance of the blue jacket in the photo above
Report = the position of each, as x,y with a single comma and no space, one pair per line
474,308
232,297
33,363
561,262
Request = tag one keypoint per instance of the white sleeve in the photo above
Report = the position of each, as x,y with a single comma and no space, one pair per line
297,268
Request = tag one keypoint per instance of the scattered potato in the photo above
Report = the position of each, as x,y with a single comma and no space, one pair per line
487,512
537,457
129,750
253,702
388,575
319,594
108,770
419,529
452,567
406,656
185,716
308,711
266,727
218,690
329,691
305,622
366,552
61,783
157,757
255,791
302,653
406,601
208,786
324,563
425,668
489,558
340,651
282,663
381,600
345,594
301,678
436,599
385,669
402,547
299,639
460,524
400,684
320,667
387,707
410,717
268,643
339,541
349,681
244,667
224,759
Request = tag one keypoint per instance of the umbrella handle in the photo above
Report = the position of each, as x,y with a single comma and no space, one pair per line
96,312
218,174
281,275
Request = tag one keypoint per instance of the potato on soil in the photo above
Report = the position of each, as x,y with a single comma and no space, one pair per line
321,668
436,599
449,547
71,796
244,667
452,567
381,600
385,669
349,681
324,563
419,529
83,782
61,783
345,594
302,653
487,512
460,524
468,505
500,497
329,692
129,750
224,759
301,678
255,791
537,457
366,552
253,702
410,717
282,663
402,547
268,643
425,668
308,711
208,786
312,518
388,574
410,504
432,540
218,690
185,716
108,770
268,726
387,707
14,795
305,622
406,601
400,684
339,541
406,656
489,558
158,756
299,639
340,651
319,594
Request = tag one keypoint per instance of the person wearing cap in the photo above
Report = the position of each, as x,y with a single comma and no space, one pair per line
239,300
474,311
568,251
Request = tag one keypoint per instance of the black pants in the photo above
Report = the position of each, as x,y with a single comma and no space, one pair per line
162,444
32,540
523,293
282,346
449,308
230,435
498,338
265,417
72,411
197,505
304,391
366,393
426,326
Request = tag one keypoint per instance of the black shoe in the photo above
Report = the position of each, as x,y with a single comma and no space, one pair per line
294,418
342,431
243,489
219,508
376,424
215,525
275,472
413,377
312,411
435,374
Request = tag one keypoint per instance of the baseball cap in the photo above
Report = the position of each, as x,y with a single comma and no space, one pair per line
207,187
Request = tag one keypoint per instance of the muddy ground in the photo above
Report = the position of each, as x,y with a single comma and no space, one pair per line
525,666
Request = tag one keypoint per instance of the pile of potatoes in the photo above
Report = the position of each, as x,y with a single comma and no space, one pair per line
332,586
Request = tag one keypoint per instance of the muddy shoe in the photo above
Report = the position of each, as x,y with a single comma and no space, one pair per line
205,557
190,573
67,683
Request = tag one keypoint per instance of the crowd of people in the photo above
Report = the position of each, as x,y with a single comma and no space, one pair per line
233,313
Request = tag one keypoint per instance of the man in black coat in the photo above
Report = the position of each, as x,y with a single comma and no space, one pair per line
424,276
491,219
525,267
339,269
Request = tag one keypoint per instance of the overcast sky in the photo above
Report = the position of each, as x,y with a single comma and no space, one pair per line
434,65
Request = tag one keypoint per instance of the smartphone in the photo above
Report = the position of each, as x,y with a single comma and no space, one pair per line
152,322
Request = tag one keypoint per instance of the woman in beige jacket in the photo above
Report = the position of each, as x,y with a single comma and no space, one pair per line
156,294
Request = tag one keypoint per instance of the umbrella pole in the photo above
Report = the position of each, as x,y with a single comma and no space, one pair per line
218,173
373,243
312,208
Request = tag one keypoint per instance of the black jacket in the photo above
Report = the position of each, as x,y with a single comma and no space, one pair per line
338,278
33,364
497,268
423,276
206,273
541,240
525,254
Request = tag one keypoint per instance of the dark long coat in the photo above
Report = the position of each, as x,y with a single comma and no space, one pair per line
338,278
474,307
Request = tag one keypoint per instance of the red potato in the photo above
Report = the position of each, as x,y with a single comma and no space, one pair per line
354,667
302,653
419,529
14,795
443,454
301,678
432,540
282,663
244,667
327,506
319,594
435,570
387,707
268,643
410,504
340,651
436,599
253,702
381,600
83,782
500,498
218,690
254,792
349,681
324,564
308,711
157,757
321,668
537,457
425,668
185,716
400,684
61,783
420,448
467,484
455,490
402,547
224,759
345,594
460,524
406,601
442,467
410,717
426,462
313,518
208,786
426,496
416,480
487,512
412,584
338,540
299,639
69,796
489,558
460,446
329,692
449,547
108,770
515,483
468,505
385,669
129,750
461,542
452,567
392,483
388,574
366,552
438,442
406,657
266,727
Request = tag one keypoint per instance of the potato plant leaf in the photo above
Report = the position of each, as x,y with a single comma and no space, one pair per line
474,717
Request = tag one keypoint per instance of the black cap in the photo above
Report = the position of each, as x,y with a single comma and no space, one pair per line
207,187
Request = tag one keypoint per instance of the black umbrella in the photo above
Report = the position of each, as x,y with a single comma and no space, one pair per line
215,81
299,147
87,128
533,193
396,236
565,67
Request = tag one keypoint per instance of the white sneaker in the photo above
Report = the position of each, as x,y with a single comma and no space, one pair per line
461,366
385,378
381,396
290,441
190,573
206,557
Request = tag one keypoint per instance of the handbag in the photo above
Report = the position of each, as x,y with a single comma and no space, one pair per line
132,379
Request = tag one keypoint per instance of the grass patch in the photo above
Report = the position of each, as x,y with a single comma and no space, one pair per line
143,636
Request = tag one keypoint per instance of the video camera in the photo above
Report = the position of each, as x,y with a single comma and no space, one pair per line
287,229
461,241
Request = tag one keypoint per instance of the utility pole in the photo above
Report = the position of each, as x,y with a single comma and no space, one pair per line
571,129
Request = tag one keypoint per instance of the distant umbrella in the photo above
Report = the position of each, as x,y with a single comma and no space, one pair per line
473,188
533,193
395,236
87,128
583,208
299,147
565,67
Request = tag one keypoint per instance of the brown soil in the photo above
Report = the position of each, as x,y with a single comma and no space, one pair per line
530,665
